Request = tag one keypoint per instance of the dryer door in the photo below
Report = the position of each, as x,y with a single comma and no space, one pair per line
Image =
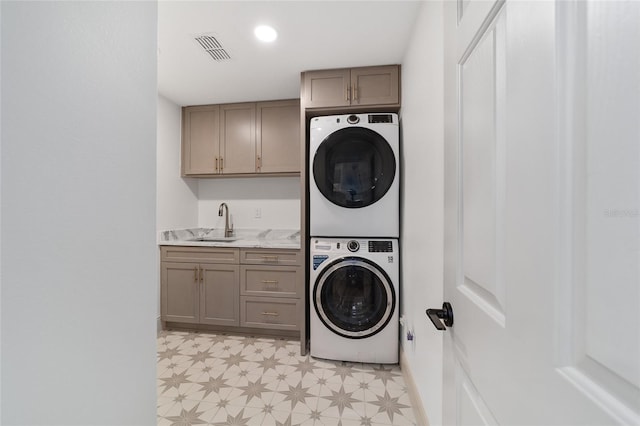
354,167
354,298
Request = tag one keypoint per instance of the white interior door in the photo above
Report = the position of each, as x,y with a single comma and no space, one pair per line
542,251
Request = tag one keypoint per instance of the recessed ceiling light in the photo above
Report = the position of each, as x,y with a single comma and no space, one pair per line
265,33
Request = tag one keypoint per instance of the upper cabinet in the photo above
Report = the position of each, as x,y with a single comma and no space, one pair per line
241,139
278,136
238,138
353,87
200,140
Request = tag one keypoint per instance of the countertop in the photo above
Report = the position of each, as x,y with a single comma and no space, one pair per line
247,238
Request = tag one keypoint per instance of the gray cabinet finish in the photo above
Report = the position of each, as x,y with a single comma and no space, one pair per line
327,88
219,294
238,138
198,291
201,139
242,139
354,87
253,288
278,136
270,313
180,292
274,257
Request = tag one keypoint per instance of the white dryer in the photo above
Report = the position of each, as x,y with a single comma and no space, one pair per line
354,297
354,175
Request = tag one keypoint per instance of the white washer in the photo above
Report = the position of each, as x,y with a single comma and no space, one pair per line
354,296
354,175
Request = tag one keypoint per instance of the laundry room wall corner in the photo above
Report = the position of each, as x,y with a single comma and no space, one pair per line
422,214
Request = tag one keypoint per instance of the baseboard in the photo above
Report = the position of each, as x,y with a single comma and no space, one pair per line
412,389
158,326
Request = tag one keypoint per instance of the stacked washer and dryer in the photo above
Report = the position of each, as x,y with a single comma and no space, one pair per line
354,225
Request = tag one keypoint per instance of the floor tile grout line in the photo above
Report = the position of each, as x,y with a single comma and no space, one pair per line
351,375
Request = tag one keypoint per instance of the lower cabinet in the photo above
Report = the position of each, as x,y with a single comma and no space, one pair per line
270,312
200,293
219,295
251,288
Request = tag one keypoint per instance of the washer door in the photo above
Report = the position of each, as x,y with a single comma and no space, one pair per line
354,167
354,298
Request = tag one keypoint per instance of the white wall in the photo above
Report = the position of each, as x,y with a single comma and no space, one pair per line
194,202
423,203
278,199
177,196
79,276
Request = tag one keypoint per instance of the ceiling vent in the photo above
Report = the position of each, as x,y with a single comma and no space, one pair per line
213,47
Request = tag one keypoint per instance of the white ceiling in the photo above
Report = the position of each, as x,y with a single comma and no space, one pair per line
311,35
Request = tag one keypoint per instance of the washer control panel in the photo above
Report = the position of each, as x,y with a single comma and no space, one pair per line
380,247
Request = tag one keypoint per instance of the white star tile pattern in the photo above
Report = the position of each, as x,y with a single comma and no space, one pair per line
225,380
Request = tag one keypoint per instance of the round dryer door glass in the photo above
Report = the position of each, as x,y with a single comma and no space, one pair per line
354,167
354,298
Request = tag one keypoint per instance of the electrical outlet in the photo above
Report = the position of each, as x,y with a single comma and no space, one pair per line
258,213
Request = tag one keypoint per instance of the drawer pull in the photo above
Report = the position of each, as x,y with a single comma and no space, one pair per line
270,282
271,258
195,270
271,314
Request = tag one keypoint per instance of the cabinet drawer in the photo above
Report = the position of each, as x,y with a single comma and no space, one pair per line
199,254
270,257
273,281
270,312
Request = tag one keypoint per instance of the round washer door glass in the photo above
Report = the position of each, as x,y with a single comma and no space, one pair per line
354,298
354,167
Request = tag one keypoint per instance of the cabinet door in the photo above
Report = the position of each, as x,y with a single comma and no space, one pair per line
375,85
200,140
327,88
278,136
180,283
220,294
238,138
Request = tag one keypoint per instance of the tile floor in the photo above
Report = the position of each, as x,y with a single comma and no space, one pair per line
212,379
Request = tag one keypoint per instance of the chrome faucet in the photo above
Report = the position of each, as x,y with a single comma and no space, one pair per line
228,230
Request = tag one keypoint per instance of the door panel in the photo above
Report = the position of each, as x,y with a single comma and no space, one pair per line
180,292
220,298
600,347
375,85
278,136
473,410
327,88
238,138
542,230
201,139
482,162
